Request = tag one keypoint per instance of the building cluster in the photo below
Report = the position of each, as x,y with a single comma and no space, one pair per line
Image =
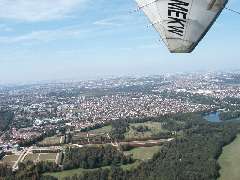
39,108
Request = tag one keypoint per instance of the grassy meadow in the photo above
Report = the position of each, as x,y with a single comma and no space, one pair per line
230,161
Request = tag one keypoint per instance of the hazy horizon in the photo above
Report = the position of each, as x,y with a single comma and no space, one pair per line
106,77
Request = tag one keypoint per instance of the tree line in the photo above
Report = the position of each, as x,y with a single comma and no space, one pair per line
230,115
94,157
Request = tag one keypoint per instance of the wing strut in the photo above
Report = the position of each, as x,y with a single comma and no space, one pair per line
234,11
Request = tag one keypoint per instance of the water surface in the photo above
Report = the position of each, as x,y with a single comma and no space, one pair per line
213,117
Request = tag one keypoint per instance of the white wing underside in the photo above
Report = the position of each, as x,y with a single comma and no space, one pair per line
200,16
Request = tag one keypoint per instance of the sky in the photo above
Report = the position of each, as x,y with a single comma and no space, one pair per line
85,39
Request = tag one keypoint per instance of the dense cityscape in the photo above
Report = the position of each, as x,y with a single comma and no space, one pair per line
40,107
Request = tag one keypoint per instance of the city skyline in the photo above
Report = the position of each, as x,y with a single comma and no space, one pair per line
82,39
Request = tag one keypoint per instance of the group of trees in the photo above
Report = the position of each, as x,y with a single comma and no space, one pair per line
31,170
27,170
170,122
6,117
37,139
230,101
195,98
225,116
5,171
119,127
141,128
94,157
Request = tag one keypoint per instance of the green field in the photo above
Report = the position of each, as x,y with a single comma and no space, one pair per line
64,174
70,173
154,128
48,157
105,129
143,153
230,161
79,171
41,157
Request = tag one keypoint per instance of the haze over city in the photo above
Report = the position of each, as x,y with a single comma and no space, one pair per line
84,39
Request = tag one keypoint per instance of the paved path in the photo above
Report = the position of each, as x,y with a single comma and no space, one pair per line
21,158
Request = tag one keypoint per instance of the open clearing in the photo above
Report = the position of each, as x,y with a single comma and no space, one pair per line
70,173
153,128
230,161
41,157
65,174
143,153
48,157
105,129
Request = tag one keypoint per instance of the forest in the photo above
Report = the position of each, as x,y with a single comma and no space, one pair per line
192,155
